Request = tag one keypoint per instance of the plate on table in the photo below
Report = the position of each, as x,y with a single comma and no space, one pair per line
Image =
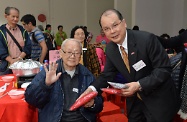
7,78
24,85
16,94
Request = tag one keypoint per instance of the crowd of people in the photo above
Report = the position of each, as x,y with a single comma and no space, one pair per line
142,58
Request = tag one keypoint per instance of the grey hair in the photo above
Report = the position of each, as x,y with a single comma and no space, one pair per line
71,39
41,27
7,10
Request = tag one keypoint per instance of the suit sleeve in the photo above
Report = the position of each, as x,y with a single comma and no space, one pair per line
158,68
107,75
174,42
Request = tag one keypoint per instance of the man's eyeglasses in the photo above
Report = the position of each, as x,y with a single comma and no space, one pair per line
76,54
113,27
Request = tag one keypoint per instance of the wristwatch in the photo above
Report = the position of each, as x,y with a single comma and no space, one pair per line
140,88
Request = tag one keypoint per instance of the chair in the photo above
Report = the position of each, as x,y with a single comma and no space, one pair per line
109,108
113,104
121,102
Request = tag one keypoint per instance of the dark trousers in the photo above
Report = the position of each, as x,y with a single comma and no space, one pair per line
140,113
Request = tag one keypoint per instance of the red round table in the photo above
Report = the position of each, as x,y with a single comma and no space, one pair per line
15,110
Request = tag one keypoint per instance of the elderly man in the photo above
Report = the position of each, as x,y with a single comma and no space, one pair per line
15,43
55,89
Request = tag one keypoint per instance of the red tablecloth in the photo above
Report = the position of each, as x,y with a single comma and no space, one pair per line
178,119
16,110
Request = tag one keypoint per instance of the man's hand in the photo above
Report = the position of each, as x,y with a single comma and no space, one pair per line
131,89
51,76
88,90
14,60
89,104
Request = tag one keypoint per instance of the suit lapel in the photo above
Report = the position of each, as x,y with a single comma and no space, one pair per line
118,62
132,52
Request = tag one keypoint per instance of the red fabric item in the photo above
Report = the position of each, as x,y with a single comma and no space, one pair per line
178,119
101,56
109,108
185,44
16,110
111,90
58,47
83,100
114,118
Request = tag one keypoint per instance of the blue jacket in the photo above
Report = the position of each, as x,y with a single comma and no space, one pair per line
3,42
49,99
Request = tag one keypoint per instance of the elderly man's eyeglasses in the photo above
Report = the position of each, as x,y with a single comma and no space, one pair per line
76,54
113,27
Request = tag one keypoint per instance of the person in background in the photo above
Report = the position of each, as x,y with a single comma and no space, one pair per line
171,52
50,42
80,33
87,32
181,30
48,29
102,38
9,51
173,42
86,41
139,57
89,57
39,48
99,51
60,36
180,48
89,38
101,56
135,27
55,89
41,27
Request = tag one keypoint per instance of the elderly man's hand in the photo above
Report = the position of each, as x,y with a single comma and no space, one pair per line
88,90
51,76
89,104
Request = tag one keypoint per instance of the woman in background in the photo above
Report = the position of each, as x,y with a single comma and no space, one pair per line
89,57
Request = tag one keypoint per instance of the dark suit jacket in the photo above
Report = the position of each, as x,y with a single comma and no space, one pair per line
158,91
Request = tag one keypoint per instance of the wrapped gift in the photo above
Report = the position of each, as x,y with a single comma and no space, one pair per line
111,90
83,100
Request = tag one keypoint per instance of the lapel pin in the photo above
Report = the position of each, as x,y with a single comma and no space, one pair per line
132,53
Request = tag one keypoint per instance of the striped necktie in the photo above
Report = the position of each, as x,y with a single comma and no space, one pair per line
125,57
126,61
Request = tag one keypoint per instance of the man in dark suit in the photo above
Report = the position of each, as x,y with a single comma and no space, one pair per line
151,95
